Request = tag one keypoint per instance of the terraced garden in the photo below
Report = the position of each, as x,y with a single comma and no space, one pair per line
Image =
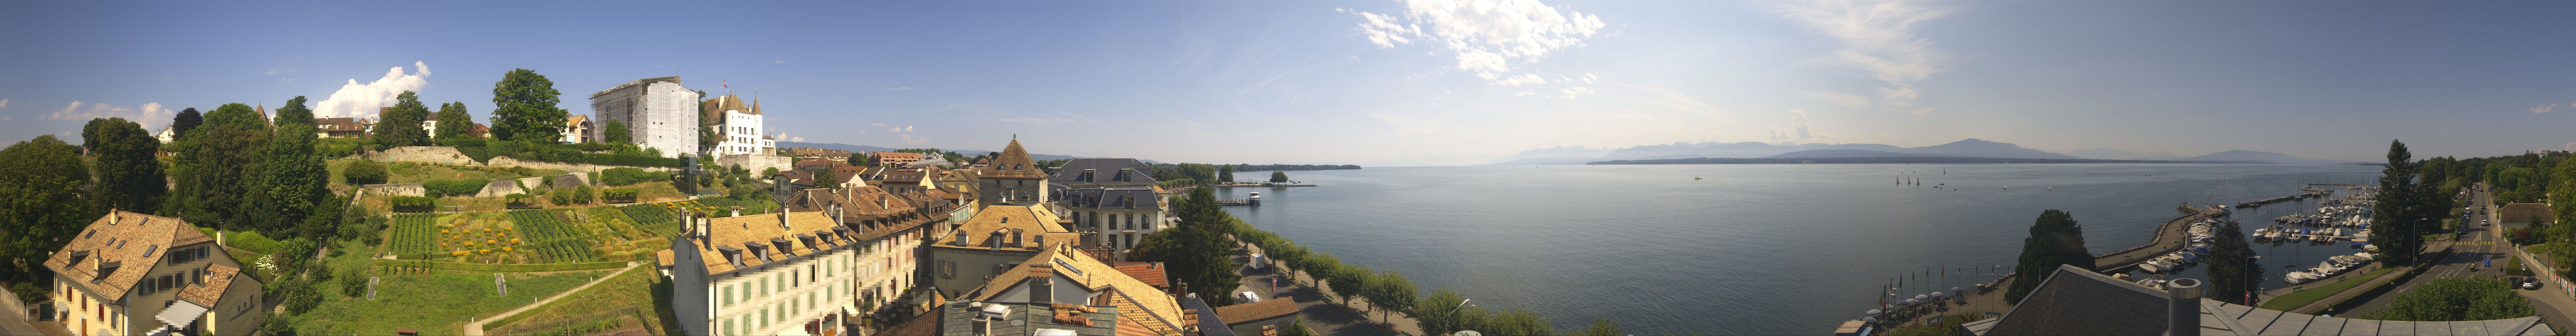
414,234
553,241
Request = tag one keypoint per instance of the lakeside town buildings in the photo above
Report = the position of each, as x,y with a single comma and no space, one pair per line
134,274
656,111
1115,198
740,127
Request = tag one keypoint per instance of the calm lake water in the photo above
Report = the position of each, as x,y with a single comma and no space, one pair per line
1749,249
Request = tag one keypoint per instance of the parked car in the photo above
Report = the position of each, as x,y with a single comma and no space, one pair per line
1250,297
2531,283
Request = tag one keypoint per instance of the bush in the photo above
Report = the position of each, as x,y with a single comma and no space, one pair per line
413,203
353,282
584,194
624,176
560,196
521,201
619,195
250,241
467,187
364,172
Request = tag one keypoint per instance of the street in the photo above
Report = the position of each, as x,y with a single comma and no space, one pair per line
2476,244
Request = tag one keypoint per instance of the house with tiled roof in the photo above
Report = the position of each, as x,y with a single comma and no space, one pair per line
957,186
578,129
1065,275
1151,273
1117,217
996,238
1265,318
784,273
895,158
343,127
891,229
135,274
1013,178
908,179
2519,215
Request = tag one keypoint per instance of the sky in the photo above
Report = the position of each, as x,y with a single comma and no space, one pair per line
1372,82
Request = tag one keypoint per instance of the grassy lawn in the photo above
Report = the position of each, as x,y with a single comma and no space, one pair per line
1949,326
437,303
635,289
2301,298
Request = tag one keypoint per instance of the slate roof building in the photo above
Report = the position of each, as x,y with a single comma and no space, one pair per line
136,274
1013,178
1063,277
1116,218
657,113
2075,301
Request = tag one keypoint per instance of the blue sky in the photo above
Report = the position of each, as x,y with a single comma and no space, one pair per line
1376,82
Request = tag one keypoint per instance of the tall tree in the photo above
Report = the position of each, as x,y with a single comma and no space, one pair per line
1225,174
615,132
401,125
129,177
523,107
1439,313
187,120
1390,292
2055,239
89,135
826,179
1278,176
2393,212
459,122
293,181
2233,272
219,187
40,203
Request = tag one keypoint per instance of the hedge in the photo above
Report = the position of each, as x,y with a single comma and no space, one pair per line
467,187
506,268
619,195
622,176
413,203
251,241
363,172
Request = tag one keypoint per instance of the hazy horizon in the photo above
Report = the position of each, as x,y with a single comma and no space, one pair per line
1373,82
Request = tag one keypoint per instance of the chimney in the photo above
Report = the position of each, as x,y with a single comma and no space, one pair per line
2184,314
737,212
782,221
1040,240
1041,283
836,212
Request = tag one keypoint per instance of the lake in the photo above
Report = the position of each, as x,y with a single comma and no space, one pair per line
1746,249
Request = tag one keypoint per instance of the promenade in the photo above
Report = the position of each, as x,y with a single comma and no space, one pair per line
2170,237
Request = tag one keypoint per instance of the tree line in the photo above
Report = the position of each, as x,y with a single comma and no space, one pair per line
1196,252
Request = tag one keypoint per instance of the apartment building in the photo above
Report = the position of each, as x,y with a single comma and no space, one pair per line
656,112
136,274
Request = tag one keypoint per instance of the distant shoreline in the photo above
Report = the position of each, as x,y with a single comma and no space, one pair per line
1901,159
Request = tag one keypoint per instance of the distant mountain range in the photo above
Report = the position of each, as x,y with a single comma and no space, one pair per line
1969,148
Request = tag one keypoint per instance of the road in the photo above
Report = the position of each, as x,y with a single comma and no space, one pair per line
2476,244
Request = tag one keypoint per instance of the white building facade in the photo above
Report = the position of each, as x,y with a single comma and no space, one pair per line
741,128
657,113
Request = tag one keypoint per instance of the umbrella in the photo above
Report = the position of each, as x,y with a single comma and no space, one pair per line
1940,294
1870,320
1957,289
1912,301
1920,297
1874,312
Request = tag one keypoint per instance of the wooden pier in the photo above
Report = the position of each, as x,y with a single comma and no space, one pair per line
2311,193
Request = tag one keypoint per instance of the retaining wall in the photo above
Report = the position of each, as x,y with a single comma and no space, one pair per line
430,154
505,161
404,189
757,163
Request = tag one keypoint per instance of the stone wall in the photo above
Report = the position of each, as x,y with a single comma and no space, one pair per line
430,154
500,188
505,161
757,163
405,189
574,180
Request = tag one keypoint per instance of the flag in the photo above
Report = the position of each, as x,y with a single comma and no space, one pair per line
727,84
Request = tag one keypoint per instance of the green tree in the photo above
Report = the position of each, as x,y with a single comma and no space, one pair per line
1297,327
1602,326
220,185
457,119
615,132
2233,272
129,175
187,120
401,125
1349,281
1389,292
2394,212
1278,176
523,107
293,181
1517,322
1439,312
1225,174
826,179
2055,239
363,172
40,203
2455,299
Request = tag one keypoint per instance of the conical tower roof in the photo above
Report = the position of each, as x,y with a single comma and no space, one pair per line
1014,163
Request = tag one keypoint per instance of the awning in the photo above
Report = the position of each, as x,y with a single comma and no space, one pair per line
182,313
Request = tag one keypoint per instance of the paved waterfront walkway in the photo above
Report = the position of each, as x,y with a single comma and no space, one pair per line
1317,305
476,328
2170,237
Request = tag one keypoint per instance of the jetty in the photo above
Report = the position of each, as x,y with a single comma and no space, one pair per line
2331,184
2310,193
1255,185
2170,237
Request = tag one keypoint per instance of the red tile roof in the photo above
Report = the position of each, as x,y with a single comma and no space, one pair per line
1149,272
1256,311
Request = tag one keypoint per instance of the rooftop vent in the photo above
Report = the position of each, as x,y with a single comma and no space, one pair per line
994,312
2185,307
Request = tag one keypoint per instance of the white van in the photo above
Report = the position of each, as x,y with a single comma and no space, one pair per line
1250,297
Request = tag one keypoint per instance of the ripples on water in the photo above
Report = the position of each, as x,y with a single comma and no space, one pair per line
1749,249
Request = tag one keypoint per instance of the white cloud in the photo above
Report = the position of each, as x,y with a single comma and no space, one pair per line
361,100
2534,109
1572,92
1877,37
797,139
147,113
1798,121
1523,79
4,103
878,124
1485,36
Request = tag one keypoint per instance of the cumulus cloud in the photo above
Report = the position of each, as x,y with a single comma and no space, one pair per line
4,103
1878,37
1798,122
361,100
797,139
1486,37
147,113
2534,109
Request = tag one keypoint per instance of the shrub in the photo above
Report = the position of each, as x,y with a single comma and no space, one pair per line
623,176
413,203
467,187
619,195
560,196
353,282
363,172
584,194
250,241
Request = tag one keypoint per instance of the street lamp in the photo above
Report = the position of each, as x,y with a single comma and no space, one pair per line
1453,315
